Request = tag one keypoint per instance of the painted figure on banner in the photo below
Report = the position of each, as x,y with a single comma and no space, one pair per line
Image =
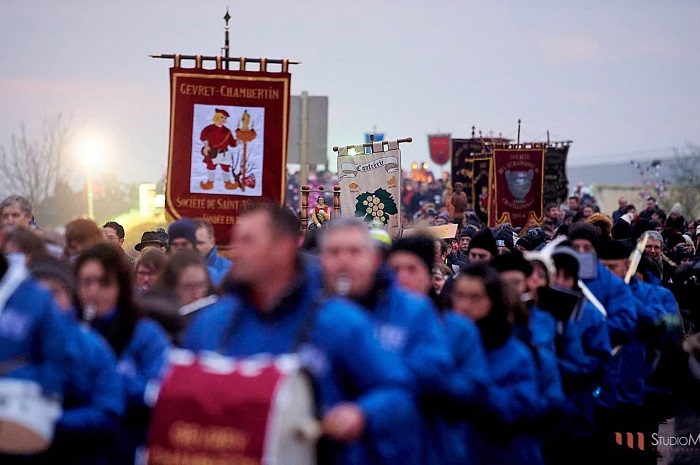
321,212
237,155
217,139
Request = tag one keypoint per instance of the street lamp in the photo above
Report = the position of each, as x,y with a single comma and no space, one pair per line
91,152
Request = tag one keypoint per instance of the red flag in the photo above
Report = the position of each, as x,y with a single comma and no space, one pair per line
440,148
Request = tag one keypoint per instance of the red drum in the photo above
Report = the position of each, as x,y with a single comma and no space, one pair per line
216,409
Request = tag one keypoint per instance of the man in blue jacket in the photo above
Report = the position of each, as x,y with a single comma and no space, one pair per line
206,245
405,323
631,416
583,348
32,336
617,301
363,392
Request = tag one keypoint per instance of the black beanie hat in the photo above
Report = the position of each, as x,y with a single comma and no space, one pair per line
640,227
584,231
512,261
421,246
504,238
484,240
614,250
673,240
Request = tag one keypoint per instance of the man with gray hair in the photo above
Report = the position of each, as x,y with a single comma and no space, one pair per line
16,210
405,324
661,267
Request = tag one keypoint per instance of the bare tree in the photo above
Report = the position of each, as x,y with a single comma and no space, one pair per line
685,170
33,165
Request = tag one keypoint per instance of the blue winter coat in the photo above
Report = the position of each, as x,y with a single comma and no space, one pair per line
505,431
583,351
539,337
32,332
93,400
633,356
407,324
621,322
141,361
616,297
450,416
218,263
347,364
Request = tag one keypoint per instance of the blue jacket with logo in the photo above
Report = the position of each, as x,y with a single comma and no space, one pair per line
32,334
341,353
408,325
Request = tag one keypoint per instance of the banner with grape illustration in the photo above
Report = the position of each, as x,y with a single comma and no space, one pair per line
370,184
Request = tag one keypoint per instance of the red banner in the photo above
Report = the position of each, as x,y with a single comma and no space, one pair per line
518,186
440,148
228,143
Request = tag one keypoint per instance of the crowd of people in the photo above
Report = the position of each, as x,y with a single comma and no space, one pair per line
543,345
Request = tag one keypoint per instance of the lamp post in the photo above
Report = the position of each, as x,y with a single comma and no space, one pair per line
91,152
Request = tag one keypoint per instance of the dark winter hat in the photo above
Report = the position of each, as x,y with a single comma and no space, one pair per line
640,227
421,246
512,261
149,238
484,240
504,238
183,228
614,250
584,231
673,240
621,230
525,243
468,232
53,269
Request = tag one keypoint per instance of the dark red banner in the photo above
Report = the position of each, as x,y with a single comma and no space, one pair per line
440,148
228,143
518,186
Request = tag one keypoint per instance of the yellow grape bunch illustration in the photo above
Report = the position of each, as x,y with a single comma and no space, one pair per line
377,205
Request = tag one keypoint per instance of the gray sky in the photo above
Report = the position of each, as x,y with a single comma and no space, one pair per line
621,79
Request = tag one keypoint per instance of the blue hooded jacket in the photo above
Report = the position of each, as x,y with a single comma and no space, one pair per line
32,334
344,358
407,324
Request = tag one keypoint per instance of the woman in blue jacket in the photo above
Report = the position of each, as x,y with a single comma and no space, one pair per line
504,425
105,300
93,400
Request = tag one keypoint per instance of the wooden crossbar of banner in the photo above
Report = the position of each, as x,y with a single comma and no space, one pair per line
527,145
220,60
371,144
